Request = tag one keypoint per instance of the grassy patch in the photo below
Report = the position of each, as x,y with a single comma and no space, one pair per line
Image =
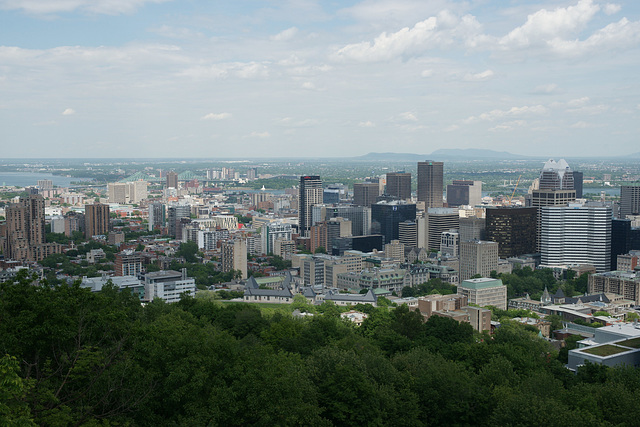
266,308
633,343
605,350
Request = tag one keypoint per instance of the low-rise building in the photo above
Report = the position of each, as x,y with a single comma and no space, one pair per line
484,292
168,285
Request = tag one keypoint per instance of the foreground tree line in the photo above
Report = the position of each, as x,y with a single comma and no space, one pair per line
72,357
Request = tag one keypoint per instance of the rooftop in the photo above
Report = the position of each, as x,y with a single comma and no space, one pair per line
481,283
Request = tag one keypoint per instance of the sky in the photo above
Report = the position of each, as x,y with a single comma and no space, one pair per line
305,78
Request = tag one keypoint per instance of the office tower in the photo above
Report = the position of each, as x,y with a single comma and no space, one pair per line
394,250
272,232
620,239
331,195
472,228
359,216
556,176
436,221
399,185
513,228
336,228
629,200
309,194
117,192
386,217
576,234
578,178
174,216
357,243
408,233
24,230
430,183
96,220
365,193
478,257
127,192
172,179
128,263
234,256
156,216
464,192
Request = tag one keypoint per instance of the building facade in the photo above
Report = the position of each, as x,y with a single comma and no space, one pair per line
430,183
96,220
478,257
310,193
513,228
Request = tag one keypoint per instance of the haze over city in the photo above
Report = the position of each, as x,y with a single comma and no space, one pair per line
143,78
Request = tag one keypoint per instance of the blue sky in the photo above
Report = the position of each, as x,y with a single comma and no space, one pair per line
162,78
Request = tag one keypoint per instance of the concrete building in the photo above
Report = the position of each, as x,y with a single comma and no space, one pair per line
365,193
172,179
233,256
484,292
399,185
450,243
310,194
430,183
577,234
96,220
394,250
624,283
128,263
472,228
168,285
157,216
478,257
408,233
513,228
464,192
434,222
127,192
273,231
360,216
175,214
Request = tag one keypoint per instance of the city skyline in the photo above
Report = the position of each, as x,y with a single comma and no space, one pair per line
306,79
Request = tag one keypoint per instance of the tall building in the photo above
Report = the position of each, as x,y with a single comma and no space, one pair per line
365,193
472,228
408,233
620,239
234,256
386,217
175,214
399,185
24,232
556,176
272,232
310,193
450,243
576,234
478,257
96,220
629,200
513,228
360,216
172,179
435,222
156,216
464,192
128,263
578,180
127,192
430,183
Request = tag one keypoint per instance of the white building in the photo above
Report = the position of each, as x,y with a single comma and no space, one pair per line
576,234
168,285
274,231
484,292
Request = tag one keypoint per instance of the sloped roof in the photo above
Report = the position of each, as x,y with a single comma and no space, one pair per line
369,297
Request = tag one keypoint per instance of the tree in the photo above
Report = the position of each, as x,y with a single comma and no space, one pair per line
320,250
188,250
302,304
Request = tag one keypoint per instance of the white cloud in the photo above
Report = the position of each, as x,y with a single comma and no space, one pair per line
581,125
285,35
308,86
367,124
291,122
408,116
243,70
435,32
478,77
611,8
264,134
547,89
69,112
547,25
427,73
617,35
578,102
216,116
513,111
45,7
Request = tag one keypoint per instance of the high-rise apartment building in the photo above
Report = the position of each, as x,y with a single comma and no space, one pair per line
576,234
24,232
513,228
399,185
128,263
629,200
157,216
172,179
234,256
127,192
96,220
478,257
175,214
430,183
365,193
310,193
464,192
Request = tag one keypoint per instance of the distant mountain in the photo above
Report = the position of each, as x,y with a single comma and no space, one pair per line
443,153
473,153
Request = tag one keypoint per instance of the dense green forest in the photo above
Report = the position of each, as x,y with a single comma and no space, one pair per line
72,357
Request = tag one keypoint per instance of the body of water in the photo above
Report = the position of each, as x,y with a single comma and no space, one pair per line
26,179
609,191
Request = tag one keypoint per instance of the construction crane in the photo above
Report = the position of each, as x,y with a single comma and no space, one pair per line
514,191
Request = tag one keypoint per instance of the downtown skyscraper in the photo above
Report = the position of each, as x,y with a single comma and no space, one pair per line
430,183
309,194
